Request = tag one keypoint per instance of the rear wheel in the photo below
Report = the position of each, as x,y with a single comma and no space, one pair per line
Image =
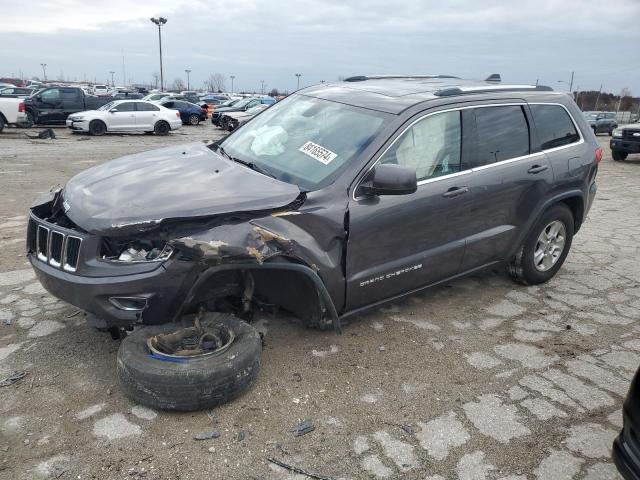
618,155
97,128
161,128
2,122
29,122
194,119
545,248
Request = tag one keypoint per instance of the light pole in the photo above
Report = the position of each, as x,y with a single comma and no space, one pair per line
44,70
570,84
187,71
598,98
298,75
113,84
262,87
159,22
232,77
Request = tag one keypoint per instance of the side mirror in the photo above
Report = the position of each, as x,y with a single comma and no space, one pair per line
39,98
113,110
389,179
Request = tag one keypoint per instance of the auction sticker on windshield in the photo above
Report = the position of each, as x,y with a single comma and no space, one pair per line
318,152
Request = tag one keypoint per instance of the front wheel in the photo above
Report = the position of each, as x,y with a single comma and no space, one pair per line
618,155
97,128
161,128
546,247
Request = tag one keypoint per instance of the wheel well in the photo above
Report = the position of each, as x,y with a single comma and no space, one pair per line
576,205
3,118
96,120
243,290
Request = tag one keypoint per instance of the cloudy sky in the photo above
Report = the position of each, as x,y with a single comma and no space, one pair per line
524,40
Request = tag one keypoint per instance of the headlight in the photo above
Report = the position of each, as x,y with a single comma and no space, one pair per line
135,251
76,119
617,132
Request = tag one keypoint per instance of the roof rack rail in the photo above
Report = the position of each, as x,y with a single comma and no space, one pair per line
452,91
362,78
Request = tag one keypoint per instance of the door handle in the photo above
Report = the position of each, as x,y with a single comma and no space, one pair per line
537,169
455,191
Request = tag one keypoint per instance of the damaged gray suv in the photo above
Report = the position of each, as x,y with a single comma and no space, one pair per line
335,200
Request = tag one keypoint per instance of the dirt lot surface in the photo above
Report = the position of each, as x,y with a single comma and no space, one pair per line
479,379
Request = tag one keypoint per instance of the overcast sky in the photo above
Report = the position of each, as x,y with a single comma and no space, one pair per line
524,40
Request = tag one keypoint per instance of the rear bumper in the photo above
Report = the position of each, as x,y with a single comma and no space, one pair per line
622,145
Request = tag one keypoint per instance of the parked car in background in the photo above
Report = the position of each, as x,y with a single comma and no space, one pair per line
213,99
126,96
16,92
154,97
626,447
625,140
241,106
101,90
190,113
12,112
602,122
53,105
232,120
126,116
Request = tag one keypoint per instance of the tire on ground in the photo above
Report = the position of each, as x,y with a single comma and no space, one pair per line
161,128
97,128
194,119
522,268
195,383
618,155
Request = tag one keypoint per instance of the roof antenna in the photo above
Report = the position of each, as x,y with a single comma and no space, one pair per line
494,78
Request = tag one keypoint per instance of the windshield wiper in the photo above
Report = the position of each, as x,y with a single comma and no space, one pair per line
251,165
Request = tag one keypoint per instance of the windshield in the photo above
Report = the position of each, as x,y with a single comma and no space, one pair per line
107,106
305,141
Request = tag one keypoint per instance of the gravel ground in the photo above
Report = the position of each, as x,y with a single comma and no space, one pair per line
479,379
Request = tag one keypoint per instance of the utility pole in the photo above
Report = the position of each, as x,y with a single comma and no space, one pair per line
160,21
187,71
124,72
113,84
598,98
44,70
298,75
571,83
233,77
262,87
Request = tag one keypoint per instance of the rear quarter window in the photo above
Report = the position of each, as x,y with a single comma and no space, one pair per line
554,126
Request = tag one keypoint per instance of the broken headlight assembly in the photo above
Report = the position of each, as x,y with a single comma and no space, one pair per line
134,251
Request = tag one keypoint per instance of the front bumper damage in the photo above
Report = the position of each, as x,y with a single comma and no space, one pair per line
224,256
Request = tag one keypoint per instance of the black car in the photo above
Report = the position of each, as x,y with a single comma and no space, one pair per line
625,140
335,200
626,448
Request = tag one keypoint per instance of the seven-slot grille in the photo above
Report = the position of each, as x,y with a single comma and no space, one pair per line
53,247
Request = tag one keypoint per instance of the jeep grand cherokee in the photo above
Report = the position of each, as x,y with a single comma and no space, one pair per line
337,199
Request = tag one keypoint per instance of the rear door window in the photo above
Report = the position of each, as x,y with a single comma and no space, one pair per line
146,107
554,126
502,132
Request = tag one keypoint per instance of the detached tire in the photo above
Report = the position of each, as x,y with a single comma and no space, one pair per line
161,128
529,267
193,384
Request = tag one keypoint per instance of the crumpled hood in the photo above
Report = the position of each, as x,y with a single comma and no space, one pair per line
142,190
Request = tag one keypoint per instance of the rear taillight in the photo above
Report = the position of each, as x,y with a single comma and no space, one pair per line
598,154
21,107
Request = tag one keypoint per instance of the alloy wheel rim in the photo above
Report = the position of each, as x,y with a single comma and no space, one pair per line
549,246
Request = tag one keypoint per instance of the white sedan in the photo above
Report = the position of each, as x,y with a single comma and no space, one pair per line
126,116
